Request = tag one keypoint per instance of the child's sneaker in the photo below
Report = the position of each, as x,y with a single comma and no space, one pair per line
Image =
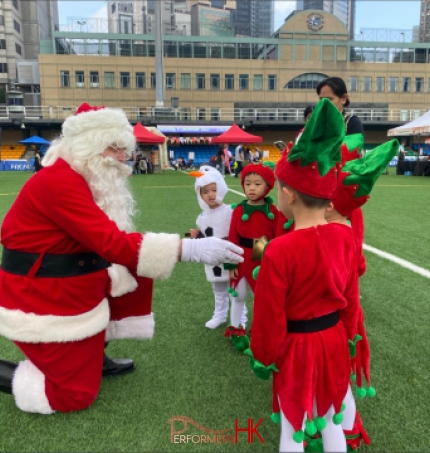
214,322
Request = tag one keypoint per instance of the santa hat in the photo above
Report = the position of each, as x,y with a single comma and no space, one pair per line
207,175
264,170
89,132
309,167
357,177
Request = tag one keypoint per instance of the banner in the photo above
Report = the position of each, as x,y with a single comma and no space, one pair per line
16,165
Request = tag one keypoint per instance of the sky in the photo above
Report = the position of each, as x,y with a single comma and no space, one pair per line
392,14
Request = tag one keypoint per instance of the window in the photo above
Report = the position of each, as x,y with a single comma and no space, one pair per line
170,80
353,83
94,79
2,44
258,82
214,81
140,80
64,79
367,83
200,81
185,81
18,49
15,4
201,114
109,78
16,26
406,84
307,81
271,82
153,79
3,67
393,84
229,82
243,81
215,116
79,79
380,84
124,79
1,20
419,85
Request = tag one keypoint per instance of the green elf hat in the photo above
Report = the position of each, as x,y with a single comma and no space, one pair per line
310,165
351,147
357,177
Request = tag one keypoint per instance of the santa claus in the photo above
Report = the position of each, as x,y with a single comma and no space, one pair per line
61,297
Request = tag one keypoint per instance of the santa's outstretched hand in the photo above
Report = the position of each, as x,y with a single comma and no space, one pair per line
212,251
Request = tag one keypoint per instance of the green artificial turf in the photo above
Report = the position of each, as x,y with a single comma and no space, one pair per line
188,370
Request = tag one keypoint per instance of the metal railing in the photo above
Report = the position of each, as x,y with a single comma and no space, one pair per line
247,116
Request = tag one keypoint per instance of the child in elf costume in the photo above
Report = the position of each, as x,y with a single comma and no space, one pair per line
252,219
306,295
214,220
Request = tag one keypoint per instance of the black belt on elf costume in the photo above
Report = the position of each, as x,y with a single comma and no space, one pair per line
246,242
313,325
53,266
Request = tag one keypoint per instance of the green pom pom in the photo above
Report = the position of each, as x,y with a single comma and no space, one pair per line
298,436
270,216
234,293
276,418
245,217
230,290
353,377
233,205
360,392
255,272
288,224
371,392
320,423
269,200
311,428
338,418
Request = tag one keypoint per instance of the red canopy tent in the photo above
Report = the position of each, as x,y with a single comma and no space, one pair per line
144,135
236,135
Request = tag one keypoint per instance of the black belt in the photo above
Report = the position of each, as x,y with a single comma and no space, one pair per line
54,266
313,325
246,242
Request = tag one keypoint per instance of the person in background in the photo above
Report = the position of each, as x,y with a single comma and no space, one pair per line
61,296
306,115
221,159
334,88
37,161
238,158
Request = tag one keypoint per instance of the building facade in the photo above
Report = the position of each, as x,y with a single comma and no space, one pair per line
254,18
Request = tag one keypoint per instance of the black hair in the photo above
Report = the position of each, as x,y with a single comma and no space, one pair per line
309,109
337,85
308,200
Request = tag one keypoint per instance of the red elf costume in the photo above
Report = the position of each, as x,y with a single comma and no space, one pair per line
249,223
306,297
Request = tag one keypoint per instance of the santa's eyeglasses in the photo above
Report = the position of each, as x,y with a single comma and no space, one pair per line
120,150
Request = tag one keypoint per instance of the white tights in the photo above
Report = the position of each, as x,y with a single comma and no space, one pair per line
332,435
350,409
238,302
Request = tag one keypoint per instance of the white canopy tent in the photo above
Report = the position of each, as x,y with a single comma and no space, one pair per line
419,126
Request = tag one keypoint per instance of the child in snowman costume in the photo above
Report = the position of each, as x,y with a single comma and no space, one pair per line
214,220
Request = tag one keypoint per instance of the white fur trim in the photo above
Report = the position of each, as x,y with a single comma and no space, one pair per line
122,282
31,328
136,327
28,388
158,255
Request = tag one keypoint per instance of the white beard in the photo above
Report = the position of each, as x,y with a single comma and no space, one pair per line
108,181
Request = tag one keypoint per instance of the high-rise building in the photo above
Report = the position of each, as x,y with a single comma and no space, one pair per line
343,9
254,18
24,25
424,33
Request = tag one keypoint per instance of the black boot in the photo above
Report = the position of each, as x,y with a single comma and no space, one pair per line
114,367
7,369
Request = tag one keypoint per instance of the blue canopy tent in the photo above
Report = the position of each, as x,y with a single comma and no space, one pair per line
35,140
